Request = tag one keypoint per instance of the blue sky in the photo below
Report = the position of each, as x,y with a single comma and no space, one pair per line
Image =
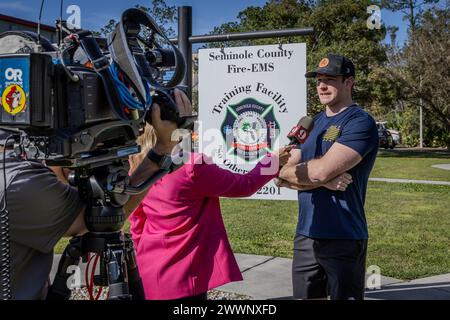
206,14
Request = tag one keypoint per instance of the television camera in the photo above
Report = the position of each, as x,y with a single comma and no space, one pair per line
81,104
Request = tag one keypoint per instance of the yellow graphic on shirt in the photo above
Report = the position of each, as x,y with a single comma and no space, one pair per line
332,134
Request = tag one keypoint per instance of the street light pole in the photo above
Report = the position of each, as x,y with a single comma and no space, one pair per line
185,46
420,116
421,125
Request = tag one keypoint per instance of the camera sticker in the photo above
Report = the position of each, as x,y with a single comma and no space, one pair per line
14,99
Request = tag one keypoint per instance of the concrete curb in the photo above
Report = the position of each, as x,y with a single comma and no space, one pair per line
443,183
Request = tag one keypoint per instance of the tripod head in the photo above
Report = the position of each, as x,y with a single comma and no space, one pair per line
96,185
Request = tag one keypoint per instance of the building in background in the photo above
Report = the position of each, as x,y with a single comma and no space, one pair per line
8,23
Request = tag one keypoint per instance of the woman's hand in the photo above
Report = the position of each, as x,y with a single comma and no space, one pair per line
283,154
165,129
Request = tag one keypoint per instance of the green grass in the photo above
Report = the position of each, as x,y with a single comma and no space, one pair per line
409,227
387,166
415,153
261,227
409,224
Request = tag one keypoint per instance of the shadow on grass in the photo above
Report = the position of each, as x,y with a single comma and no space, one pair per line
414,153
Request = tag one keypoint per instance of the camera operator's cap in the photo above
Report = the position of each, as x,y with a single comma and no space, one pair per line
334,65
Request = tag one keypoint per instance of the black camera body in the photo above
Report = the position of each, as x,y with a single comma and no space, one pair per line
84,103
66,122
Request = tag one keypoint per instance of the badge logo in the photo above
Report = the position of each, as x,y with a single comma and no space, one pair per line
250,129
332,134
14,99
324,62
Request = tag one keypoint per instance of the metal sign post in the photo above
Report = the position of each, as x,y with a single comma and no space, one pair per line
186,39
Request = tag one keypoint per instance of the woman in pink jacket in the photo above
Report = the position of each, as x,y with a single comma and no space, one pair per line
182,247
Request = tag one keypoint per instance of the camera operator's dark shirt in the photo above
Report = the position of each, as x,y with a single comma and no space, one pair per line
41,209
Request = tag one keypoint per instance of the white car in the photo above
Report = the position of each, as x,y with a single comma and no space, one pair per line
396,136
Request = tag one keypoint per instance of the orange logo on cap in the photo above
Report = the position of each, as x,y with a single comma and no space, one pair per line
324,62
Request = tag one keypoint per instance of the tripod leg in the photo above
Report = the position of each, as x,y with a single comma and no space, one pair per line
117,274
134,280
60,290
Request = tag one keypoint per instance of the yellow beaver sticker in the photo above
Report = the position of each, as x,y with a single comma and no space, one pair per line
14,99
332,134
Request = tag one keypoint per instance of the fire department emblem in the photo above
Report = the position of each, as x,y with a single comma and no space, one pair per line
250,129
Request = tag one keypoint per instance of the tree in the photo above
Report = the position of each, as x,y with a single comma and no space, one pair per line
108,28
421,72
163,15
340,27
411,9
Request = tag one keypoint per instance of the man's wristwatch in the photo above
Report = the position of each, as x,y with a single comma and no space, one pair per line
163,161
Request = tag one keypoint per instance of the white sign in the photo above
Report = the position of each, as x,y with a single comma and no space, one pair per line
249,100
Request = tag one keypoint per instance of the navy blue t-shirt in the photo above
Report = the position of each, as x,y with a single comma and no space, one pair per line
327,214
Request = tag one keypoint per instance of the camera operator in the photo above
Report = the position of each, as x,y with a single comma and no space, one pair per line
42,209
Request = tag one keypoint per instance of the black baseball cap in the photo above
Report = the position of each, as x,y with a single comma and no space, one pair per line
334,65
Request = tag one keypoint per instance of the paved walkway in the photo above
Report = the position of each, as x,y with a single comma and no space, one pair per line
270,278
442,166
442,183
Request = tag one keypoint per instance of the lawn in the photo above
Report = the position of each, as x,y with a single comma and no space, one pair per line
409,224
406,166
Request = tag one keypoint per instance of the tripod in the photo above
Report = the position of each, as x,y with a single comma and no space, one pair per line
102,188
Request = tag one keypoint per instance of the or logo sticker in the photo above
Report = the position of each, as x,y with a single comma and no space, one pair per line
249,129
324,62
14,99
332,134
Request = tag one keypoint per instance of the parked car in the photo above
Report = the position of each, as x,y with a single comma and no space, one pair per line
396,136
388,138
385,139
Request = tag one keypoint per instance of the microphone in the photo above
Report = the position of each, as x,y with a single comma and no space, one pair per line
301,131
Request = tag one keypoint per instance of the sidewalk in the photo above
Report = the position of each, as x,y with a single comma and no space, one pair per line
270,278
441,183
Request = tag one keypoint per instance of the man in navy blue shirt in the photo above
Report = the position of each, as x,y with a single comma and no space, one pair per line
331,170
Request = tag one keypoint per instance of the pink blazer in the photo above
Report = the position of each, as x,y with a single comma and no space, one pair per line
182,247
